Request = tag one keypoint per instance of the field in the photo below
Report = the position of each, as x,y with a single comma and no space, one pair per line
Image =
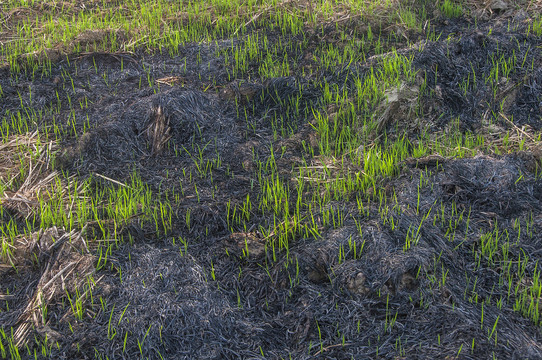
270,179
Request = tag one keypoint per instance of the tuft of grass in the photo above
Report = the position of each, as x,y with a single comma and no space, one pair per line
451,9
536,26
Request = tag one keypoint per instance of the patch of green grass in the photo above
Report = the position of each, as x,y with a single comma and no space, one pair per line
451,9
536,26
408,19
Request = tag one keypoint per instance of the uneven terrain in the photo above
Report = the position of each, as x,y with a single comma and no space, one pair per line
270,179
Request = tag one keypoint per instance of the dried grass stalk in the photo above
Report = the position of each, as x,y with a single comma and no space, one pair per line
158,131
67,263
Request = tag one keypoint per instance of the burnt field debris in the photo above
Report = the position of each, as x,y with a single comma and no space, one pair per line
270,180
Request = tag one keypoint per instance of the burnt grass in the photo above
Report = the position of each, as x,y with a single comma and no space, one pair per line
211,302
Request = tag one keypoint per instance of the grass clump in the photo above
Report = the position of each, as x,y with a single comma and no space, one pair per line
451,9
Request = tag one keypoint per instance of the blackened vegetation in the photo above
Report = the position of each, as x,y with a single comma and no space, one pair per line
206,303
144,128
461,75
528,106
476,182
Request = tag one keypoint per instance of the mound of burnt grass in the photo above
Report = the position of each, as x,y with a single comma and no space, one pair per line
180,117
479,74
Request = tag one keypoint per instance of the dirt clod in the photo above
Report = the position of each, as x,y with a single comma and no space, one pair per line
357,284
